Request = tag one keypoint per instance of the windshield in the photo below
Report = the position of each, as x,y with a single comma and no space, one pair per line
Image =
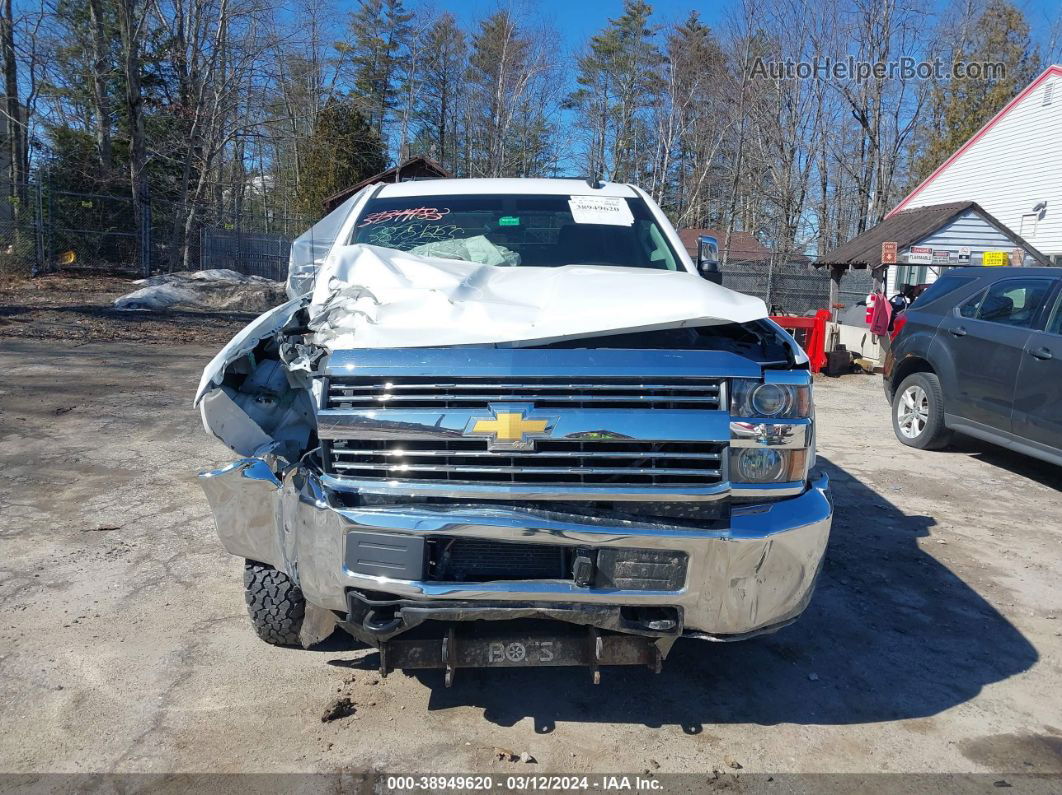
514,230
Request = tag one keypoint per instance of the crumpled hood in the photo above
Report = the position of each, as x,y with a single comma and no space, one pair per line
373,297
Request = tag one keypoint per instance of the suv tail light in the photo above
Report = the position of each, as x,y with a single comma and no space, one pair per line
898,325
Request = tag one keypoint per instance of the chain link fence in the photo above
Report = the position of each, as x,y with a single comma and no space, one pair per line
787,288
43,230
88,229
257,245
21,230
854,288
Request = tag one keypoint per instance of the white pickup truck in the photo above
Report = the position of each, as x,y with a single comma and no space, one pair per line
506,422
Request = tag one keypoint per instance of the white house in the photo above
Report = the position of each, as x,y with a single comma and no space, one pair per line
1012,167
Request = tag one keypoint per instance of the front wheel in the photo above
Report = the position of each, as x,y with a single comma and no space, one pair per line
918,412
275,603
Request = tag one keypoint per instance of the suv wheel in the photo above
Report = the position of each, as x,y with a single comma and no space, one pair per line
918,412
275,603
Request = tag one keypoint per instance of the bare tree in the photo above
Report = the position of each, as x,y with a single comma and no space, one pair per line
886,108
101,69
506,64
14,116
131,22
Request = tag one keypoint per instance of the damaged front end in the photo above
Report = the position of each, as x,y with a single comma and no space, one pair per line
476,473
489,506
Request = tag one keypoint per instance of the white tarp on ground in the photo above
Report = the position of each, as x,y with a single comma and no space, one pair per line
217,288
373,297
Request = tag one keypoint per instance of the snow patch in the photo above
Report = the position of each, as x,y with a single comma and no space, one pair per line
216,288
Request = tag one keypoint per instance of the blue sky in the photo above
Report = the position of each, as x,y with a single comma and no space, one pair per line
577,20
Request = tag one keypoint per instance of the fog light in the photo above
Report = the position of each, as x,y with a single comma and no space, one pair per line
759,465
767,465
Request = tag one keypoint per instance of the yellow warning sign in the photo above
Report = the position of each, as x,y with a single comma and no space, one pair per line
995,258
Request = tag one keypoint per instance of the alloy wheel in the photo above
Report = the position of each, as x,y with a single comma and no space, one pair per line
912,411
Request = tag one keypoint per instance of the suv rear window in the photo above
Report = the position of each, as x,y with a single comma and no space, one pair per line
518,230
941,287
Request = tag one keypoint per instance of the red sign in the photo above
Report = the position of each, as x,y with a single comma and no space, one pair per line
920,255
888,253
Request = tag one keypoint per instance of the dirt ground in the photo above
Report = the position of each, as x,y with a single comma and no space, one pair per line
933,643
79,307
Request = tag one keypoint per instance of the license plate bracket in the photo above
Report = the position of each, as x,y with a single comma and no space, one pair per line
514,650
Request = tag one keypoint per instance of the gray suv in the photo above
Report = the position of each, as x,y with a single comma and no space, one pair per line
980,353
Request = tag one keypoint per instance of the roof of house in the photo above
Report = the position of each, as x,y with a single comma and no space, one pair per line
907,228
1055,70
417,166
744,247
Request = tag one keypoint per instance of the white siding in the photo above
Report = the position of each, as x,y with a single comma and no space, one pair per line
970,230
1015,165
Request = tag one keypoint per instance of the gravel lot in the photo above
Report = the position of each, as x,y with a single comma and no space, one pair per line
933,643
79,307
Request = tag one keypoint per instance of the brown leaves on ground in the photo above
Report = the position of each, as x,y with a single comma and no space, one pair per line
80,306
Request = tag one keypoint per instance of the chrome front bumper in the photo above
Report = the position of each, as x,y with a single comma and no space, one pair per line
753,576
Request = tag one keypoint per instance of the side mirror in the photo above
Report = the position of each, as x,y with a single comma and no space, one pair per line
709,269
708,259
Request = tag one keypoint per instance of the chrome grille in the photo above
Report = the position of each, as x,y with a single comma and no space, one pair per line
546,393
554,462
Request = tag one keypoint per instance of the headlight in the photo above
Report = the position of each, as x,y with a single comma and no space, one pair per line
758,399
766,465
770,400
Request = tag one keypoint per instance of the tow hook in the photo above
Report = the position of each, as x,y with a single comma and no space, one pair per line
378,624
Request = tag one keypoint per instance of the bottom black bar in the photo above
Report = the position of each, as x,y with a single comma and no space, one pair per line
515,649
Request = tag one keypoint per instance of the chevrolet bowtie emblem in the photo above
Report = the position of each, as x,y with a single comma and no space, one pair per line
510,427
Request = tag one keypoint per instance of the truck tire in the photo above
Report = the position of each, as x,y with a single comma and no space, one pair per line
275,603
918,412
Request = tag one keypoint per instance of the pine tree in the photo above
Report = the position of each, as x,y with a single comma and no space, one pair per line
342,151
381,32
442,80
696,65
960,107
618,80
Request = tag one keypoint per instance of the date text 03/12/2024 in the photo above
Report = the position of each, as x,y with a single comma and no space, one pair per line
521,783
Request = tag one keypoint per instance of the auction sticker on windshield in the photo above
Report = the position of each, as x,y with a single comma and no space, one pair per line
611,210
